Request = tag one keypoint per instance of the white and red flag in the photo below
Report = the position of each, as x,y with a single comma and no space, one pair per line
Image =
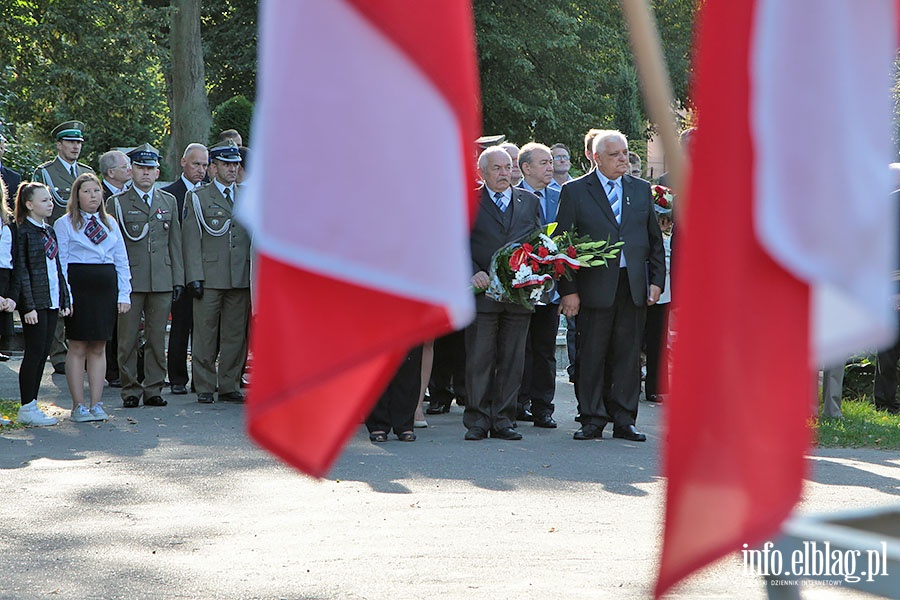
362,172
783,259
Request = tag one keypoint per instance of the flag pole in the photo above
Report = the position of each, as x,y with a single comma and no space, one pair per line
655,84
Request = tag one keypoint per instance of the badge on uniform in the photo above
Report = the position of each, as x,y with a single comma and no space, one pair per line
159,216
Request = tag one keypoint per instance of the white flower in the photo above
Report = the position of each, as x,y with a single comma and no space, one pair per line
523,273
549,243
536,293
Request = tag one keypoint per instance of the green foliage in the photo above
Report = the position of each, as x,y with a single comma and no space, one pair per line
552,69
862,426
9,409
234,113
92,61
228,28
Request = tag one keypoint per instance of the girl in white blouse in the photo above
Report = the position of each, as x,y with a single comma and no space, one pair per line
94,259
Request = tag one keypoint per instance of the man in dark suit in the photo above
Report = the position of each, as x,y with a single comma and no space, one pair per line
11,178
611,301
495,341
886,371
193,169
115,169
539,377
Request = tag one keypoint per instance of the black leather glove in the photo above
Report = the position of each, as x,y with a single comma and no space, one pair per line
196,289
177,293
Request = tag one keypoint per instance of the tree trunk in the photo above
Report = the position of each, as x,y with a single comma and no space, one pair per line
191,118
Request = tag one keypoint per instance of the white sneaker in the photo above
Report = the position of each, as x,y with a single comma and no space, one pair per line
98,413
81,415
32,416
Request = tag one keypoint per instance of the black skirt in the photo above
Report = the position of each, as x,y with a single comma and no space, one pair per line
94,306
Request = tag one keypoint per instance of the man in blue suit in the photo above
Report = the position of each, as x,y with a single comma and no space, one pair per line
535,402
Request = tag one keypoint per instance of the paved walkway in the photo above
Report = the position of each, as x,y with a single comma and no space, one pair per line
176,502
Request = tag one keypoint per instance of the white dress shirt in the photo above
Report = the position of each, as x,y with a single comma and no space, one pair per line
6,259
76,248
190,186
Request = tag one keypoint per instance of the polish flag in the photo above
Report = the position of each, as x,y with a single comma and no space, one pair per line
784,256
362,168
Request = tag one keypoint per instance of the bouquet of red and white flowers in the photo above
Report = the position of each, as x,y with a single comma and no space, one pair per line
520,273
663,199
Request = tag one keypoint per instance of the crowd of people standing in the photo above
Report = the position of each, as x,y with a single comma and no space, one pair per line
114,258
502,367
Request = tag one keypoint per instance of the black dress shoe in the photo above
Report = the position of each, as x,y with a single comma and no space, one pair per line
589,432
3,357
476,433
116,383
179,389
629,433
232,397
506,433
205,398
155,401
654,398
437,409
545,421
523,414
131,402
59,369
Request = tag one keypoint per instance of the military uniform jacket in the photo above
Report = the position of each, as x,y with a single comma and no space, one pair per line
60,182
152,236
216,246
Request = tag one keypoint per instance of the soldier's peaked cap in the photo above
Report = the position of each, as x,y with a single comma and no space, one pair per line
226,152
144,155
70,130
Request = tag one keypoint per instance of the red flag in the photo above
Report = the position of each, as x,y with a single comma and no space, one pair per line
783,259
365,117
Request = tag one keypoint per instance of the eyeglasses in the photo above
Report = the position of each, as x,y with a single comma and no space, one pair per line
561,158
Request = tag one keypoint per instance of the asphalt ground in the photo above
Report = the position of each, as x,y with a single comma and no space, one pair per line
177,502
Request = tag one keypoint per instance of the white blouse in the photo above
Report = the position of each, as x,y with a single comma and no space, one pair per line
6,259
76,248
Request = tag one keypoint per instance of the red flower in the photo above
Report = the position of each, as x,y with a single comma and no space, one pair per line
518,258
571,252
559,268
527,248
542,252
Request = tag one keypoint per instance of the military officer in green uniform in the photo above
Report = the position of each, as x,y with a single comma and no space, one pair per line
148,218
217,269
58,175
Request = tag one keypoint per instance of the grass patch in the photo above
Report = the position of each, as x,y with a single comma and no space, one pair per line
9,409
861,427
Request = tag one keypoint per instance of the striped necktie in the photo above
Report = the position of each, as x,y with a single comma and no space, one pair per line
50,247
498,200
615,202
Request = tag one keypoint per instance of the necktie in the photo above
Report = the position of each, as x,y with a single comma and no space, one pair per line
147,199
228,194
498,200
74,172
540,195
615,202
95,231
50,247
